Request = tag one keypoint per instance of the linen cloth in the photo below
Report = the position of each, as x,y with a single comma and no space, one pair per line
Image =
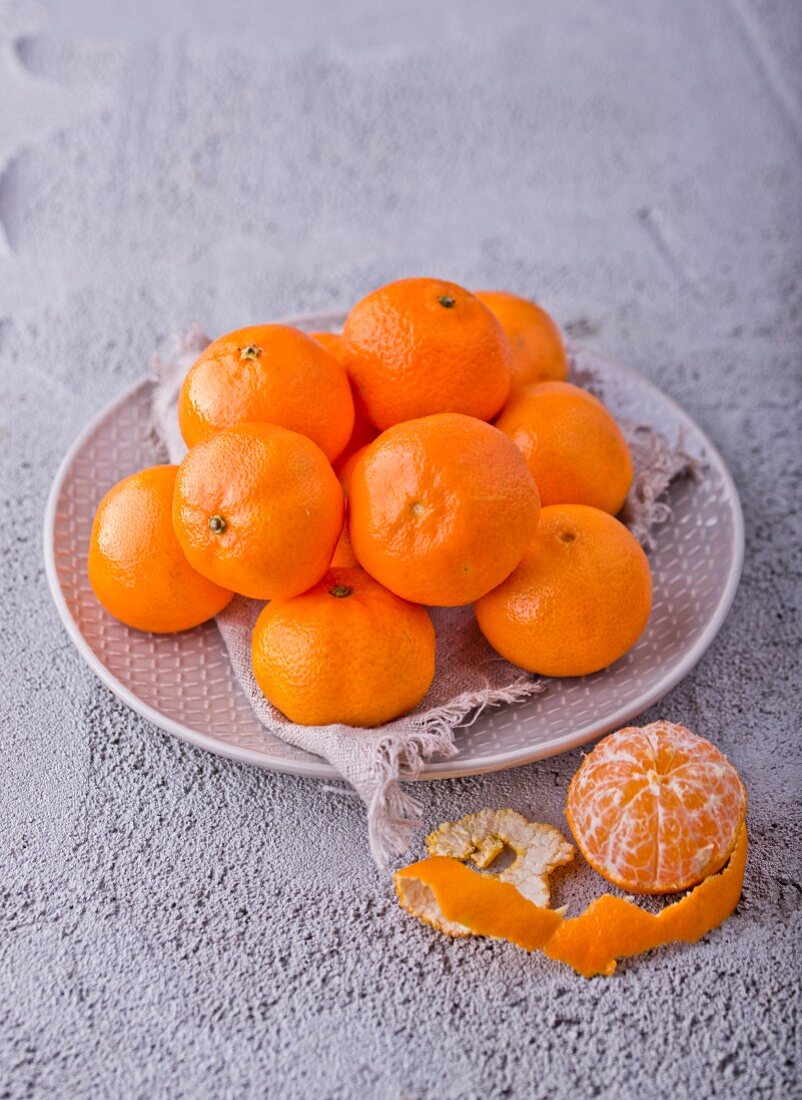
469,675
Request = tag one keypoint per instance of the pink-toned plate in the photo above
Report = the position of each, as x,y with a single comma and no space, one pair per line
184,683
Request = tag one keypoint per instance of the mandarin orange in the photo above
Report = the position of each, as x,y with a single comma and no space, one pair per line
422,346
441,509
347,651
259,510
580,598
538,352
268,374
656,809
137,568
572,445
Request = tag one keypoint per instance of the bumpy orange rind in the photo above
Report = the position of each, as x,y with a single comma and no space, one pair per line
445,893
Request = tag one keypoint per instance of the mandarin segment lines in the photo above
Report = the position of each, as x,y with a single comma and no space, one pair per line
656,809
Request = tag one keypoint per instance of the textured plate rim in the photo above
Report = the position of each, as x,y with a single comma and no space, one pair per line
442,769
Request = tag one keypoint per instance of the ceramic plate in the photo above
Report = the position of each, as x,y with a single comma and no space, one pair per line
184,684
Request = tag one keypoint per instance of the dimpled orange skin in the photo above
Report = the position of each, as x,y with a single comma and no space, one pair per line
578,601
422,346
259,510
345,651
137,568
572,445
441,509
268,374
656,809
538,352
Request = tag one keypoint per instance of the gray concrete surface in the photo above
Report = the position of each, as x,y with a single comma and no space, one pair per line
177,926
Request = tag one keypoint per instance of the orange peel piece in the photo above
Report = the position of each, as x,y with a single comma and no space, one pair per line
609,929
482,836
612,928
451,897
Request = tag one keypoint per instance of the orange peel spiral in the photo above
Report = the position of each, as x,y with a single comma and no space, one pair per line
459,901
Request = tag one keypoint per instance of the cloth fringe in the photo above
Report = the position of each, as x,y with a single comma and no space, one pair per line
392,813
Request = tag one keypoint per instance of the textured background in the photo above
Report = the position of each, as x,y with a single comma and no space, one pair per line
175,925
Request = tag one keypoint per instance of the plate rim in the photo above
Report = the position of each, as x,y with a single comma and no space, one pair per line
445,769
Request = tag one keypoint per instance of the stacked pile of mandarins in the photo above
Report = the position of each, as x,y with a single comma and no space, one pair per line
353,480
